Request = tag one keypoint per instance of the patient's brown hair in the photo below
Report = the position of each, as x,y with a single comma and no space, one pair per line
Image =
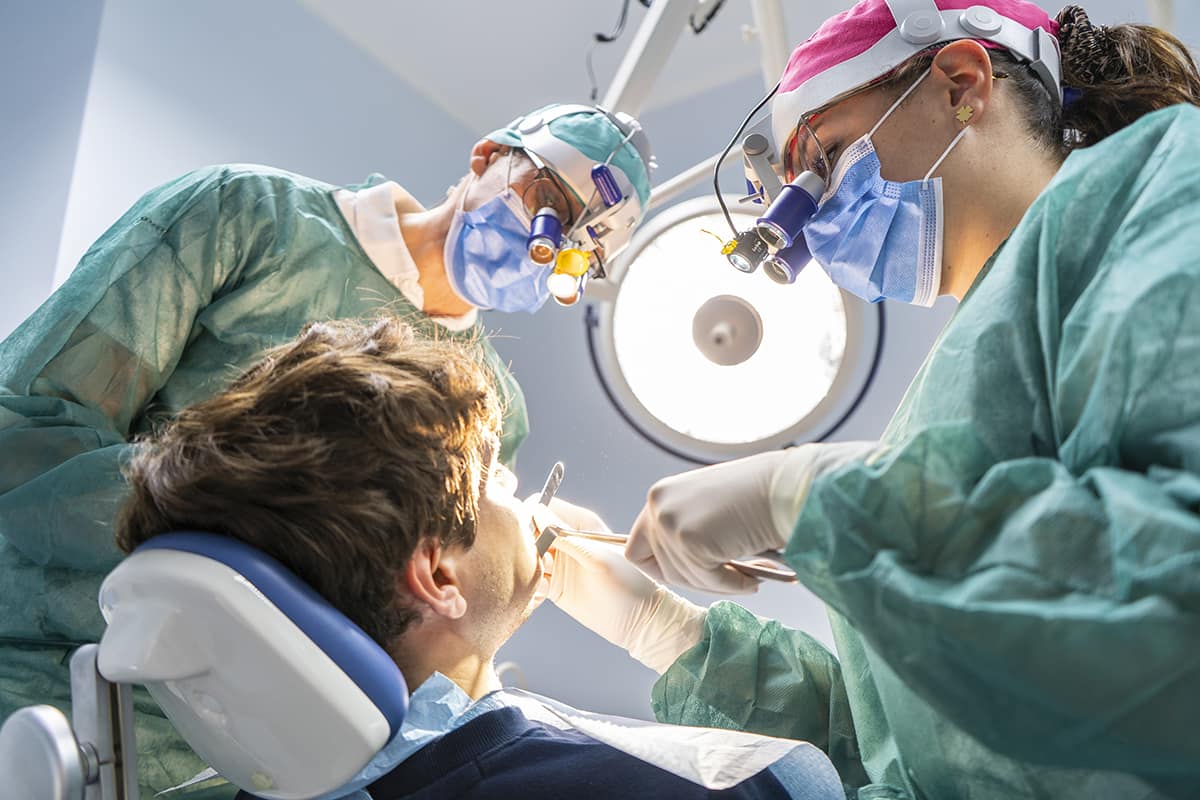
336,454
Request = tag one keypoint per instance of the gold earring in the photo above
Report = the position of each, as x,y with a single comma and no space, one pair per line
964,114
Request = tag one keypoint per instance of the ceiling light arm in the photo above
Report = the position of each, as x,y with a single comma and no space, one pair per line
647,54
676,185
1162,14
771,30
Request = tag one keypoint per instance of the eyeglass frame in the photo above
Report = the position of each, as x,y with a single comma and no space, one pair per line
807,117
545,174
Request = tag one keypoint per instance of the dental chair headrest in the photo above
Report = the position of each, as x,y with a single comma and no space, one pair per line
275,688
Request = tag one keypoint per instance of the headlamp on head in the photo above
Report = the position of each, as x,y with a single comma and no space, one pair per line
584,205
846,54
776,242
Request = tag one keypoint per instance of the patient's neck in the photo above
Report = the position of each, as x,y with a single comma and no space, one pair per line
425,650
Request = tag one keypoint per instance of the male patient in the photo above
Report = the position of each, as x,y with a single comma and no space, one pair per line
364,459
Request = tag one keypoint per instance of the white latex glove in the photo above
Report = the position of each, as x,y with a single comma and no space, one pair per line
694,522
569,515
592,582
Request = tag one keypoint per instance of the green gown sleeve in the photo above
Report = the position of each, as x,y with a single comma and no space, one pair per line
752,674
1026,557
75,376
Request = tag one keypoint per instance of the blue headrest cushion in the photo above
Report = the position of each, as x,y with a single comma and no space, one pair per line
346,644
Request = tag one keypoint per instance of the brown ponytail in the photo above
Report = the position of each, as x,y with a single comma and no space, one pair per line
1122,72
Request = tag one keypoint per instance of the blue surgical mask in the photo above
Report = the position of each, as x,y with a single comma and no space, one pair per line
878,238
487,257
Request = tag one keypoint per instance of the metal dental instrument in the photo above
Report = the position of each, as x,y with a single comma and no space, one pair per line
553,480
767,565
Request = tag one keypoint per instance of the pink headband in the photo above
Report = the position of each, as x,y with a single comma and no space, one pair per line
869,40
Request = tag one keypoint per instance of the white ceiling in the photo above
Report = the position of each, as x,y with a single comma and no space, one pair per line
486,62
483,63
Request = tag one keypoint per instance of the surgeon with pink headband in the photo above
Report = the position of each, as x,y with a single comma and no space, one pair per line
1013,569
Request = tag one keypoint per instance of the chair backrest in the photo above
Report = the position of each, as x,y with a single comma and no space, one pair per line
277,690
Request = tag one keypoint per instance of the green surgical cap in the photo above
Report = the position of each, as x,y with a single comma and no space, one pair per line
594,135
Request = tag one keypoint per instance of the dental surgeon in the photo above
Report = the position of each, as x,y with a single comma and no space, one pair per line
202,275
1013,570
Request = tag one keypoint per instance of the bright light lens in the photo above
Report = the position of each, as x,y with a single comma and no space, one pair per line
803,342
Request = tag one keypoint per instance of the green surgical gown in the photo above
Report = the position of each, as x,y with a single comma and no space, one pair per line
1014,586
171,303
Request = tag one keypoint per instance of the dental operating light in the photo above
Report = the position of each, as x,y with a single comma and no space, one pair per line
711,363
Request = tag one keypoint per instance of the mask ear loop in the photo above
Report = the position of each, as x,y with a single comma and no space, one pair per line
473,179
514,202
895,105
512,155
945,153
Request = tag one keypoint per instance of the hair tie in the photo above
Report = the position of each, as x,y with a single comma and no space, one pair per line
1088,51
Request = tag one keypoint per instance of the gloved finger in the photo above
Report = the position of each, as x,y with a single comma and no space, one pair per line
567,548
680,568
651,568
546,562
605,561
727,580
579,555
582,565
541,515
577,516
715,578
565,567
638,548
671,563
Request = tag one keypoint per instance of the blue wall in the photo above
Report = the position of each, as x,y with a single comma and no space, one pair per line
180,85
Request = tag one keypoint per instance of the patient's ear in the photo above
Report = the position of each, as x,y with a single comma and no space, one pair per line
432,578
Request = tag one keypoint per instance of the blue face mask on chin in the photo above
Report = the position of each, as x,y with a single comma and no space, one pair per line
878,238
487,258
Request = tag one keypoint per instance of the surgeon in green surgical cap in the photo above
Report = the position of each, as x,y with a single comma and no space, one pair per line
1013,569
199,277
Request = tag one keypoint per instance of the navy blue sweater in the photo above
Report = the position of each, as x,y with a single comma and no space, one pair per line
502,754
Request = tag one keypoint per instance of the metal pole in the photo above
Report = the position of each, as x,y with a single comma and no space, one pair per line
1162,14
676,185
771,28
647,54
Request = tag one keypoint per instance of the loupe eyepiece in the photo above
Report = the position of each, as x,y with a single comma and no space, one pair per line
545,233
783,266
746,251
781,225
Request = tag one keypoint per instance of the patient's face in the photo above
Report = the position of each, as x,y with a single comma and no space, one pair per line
504,580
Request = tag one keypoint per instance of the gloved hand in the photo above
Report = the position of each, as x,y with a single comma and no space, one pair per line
694,522
594,583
